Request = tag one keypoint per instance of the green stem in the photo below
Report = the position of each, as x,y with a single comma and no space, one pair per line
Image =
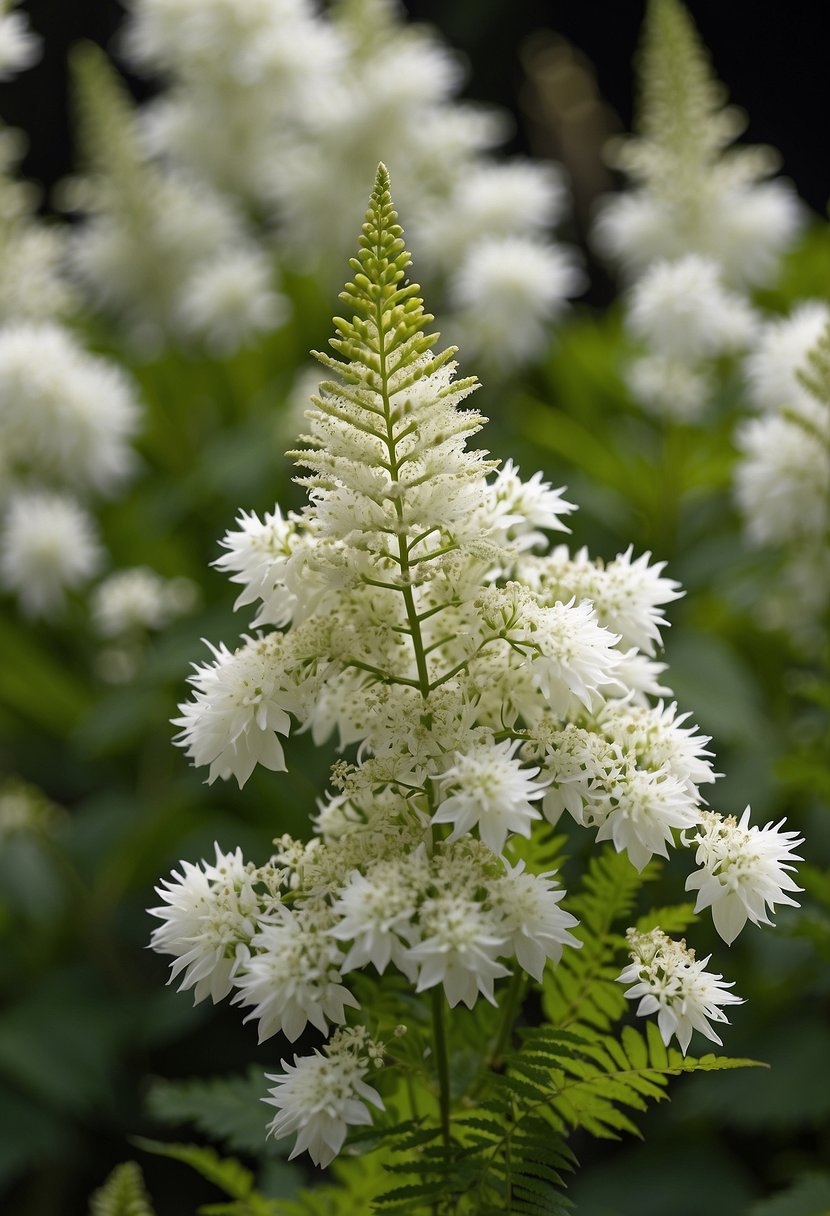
515,992
510,1007
442,1062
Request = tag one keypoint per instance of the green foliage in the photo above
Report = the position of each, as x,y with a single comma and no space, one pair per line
123,1194
226,1173
227,1109
816,379
590,1081
809,1196
582,990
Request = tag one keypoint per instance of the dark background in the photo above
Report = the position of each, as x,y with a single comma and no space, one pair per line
775,67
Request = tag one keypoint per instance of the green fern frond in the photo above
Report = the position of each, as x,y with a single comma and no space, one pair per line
578,1079
123,1194
816,377
227,1109
226,1173
582,989
672,918
520,1161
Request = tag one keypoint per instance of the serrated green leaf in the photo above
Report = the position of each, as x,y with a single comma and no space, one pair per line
123,1194
227,1109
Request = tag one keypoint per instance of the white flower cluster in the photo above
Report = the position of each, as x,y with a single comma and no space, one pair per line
128,605
685,318
25,809
32,286
671,982
691,192
321,1095
486,680
67,417
697,228
782,478
271,102
159,247
66,421
19,46
743,870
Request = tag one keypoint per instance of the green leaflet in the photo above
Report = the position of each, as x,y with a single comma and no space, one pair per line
224,1172
227,1109
582,990
122,1194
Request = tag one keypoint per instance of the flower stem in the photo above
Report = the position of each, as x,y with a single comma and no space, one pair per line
442,1062
515,991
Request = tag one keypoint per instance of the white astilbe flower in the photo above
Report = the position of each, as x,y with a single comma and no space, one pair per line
690,192
48,546
524,510
488,788
538,929
507,293
781,481
668,980
138,599
158,246
209,914
32,285
230,301
627,593
238,710
257,555
65,415
376,913
19,46
573,655
658,737
492,200
330,110
681,311
291,976
669,388
780,353
475,681
640,812
744,870
321,1095
459,947
783,473
633,776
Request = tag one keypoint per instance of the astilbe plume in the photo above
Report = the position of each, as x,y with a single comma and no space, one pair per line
261,107
698,225
489,683
782,477
67,417
157,247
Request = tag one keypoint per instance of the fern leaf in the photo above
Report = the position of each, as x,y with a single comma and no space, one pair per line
123,1194
816,377
673,918
228,1174
226,1109
595,1082
582,990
